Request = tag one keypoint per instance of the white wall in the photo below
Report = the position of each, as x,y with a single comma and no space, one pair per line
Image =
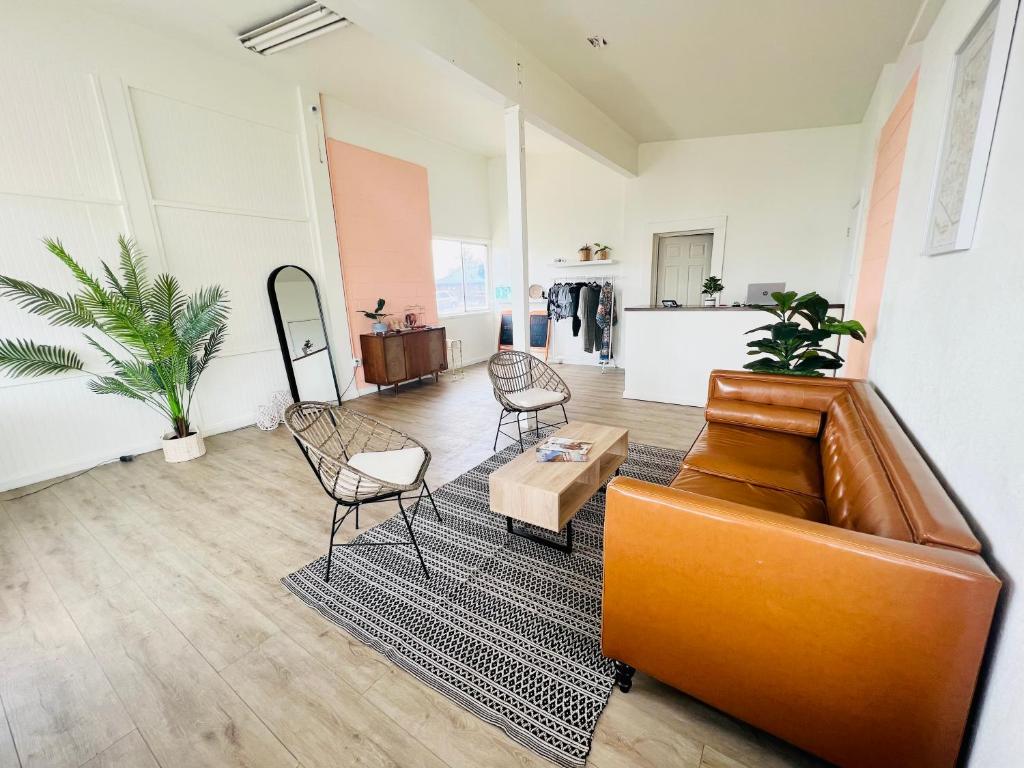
107,128
571,199
786,196
459,199
944,361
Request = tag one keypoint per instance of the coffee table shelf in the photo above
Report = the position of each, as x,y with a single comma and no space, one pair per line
549,494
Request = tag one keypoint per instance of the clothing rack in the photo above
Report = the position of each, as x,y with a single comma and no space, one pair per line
610,362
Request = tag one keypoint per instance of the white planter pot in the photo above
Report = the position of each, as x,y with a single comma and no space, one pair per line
182,448
709,302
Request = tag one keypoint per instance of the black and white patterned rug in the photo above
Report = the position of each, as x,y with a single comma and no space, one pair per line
506,628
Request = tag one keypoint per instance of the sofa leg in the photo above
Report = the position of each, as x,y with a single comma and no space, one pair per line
624,676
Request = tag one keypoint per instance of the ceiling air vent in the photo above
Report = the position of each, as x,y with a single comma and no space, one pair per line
297,27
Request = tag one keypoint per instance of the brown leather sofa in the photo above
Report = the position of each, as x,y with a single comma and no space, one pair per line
805,572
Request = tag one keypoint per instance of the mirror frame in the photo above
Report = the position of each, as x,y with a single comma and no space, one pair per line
282,338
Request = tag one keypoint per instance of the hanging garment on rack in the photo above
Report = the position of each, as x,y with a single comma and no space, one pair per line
574,307
559,302
605,318
589,296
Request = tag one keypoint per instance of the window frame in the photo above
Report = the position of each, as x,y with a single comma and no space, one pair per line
487,289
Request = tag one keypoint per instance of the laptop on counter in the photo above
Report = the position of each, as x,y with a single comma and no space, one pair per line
761,293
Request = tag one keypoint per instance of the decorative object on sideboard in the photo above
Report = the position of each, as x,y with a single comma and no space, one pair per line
584,252
711,289
377,316
794,349
162,339
602,252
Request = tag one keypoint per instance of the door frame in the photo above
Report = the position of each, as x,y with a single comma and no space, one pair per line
709,225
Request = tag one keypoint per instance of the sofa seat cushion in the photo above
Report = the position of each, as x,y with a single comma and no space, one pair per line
759,457
771,499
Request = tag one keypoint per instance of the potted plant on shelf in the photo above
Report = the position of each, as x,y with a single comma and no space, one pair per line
160,340
711,288
378,316
584,252
794,349
602,252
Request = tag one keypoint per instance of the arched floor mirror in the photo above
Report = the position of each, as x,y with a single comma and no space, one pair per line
302,334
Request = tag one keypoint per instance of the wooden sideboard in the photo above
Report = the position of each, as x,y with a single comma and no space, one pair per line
394,358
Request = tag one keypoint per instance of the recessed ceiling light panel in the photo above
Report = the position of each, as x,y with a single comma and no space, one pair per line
292,29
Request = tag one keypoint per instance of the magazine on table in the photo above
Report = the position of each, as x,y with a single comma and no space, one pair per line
563,449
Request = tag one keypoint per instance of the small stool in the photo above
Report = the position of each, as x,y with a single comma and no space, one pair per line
455,370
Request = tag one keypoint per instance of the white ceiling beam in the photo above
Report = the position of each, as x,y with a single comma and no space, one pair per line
472,45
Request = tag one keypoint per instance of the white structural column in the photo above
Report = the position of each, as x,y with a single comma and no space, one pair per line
518,253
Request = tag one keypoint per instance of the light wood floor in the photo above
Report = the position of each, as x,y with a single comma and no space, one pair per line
142,622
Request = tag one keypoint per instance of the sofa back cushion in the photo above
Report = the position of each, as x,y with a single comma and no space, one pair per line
858,494
776,418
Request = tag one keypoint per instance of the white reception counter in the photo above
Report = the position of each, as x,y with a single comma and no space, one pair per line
672,351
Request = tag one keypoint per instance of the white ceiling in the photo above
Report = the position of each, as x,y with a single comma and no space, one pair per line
677,69
378,76
672,69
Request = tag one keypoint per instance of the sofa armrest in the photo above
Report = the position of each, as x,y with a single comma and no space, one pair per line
861,649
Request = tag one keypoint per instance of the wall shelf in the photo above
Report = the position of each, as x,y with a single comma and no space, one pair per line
591,263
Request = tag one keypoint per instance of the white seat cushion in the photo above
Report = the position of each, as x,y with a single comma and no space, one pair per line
398,467
535,397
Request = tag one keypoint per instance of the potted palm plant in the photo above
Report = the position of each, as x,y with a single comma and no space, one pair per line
794,349
711,288
158,341
377,316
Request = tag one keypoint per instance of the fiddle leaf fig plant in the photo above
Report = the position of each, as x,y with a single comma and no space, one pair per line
156,341
794,348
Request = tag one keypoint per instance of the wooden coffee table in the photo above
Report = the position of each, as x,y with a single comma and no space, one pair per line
550,494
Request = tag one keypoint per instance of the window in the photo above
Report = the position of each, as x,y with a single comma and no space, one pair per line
460,276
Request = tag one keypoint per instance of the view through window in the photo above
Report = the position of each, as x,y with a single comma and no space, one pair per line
460,276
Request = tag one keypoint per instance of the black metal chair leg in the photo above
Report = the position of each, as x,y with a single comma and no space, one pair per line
500,419
536,423
564,415
519,423
433,503
330,546
357,517
412,536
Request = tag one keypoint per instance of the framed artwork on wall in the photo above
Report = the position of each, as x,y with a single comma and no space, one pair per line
979,68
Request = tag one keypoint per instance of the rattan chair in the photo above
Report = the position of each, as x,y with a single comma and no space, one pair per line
524,384
359,460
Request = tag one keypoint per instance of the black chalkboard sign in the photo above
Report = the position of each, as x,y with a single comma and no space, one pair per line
539,325
538,330
505,334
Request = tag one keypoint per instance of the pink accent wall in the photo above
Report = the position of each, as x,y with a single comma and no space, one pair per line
382,211
892,147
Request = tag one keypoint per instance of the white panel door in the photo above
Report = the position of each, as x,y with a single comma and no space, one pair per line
684,261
